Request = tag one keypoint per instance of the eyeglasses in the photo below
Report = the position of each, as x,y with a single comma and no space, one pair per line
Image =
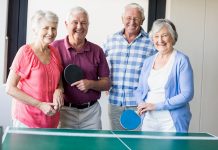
135,19
83,23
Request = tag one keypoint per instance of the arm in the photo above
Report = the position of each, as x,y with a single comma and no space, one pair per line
184,85
58,97
142,90
14,91
180,92
103,84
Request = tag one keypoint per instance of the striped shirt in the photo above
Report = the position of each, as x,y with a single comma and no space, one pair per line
125,61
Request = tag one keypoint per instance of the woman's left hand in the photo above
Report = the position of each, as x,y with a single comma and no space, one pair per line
143,107
58,99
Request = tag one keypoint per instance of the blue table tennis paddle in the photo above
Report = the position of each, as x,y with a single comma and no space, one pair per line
129,119
72,73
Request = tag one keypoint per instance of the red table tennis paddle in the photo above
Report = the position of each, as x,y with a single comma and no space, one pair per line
73,73
129,119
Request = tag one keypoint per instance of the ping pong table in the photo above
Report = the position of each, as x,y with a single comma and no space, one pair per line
68,139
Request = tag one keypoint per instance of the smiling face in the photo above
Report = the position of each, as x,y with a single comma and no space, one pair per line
77,26
46,32
132,21
163,40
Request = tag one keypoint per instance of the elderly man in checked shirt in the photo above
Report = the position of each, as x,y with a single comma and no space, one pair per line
126,51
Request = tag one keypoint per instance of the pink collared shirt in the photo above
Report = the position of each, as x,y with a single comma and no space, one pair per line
39,81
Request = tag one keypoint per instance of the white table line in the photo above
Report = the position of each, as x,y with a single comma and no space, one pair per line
121,141
107,135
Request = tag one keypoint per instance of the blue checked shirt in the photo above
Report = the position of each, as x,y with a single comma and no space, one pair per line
125,61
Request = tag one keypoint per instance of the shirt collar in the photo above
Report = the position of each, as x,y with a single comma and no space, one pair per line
86,46
141,33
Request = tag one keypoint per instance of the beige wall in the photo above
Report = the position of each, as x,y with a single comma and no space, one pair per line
196,22
209,118
104,16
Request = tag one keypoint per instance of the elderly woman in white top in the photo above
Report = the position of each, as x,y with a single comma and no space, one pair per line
166,83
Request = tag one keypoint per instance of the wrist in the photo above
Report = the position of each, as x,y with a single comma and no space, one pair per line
38,105
60,90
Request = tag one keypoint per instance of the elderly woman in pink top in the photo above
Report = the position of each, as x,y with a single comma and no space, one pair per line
34,80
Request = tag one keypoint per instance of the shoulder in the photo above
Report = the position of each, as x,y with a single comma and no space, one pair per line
144,36
56,55
181,56
57,43
53,49
182,60
142,31
115,35
25,48
60,45
150,58
94,46
25,51
24,58
95,51
148,61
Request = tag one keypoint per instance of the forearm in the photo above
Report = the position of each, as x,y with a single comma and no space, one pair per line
102,84
174,102
60,86
58,99
23,97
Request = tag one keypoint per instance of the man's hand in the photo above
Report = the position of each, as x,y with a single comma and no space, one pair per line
83,85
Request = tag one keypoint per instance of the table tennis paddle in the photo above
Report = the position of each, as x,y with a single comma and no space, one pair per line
129,119
72,73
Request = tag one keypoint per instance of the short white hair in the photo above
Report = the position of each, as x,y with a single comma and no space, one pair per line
137,6
159,24
71,12
43,15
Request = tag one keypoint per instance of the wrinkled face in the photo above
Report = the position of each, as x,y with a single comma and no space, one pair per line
46,32
132,21
78,26
163,40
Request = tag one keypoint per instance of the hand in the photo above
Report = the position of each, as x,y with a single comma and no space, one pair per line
82,85
47,108
58,99
107,93
143,107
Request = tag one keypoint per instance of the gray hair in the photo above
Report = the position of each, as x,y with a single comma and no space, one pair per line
71,12
159,24
137,6
43,15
